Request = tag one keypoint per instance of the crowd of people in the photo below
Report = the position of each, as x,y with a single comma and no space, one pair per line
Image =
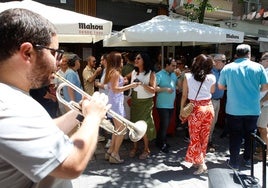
56,142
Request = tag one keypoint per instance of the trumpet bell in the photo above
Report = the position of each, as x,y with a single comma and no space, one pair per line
137,131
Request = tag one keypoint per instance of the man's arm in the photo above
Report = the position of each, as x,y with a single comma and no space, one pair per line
85,138
222,87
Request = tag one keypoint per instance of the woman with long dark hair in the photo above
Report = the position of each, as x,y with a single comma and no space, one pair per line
198,86
142,100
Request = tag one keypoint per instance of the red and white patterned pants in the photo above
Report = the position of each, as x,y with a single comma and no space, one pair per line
199,123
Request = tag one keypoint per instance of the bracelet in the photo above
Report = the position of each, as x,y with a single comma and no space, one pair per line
80,118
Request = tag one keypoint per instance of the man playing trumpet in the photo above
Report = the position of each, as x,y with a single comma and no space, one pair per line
34,147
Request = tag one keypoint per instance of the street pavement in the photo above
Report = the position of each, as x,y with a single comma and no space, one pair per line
159,170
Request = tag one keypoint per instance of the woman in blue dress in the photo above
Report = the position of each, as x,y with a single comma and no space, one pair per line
115,82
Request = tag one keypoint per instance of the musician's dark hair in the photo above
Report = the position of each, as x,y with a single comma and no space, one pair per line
19,26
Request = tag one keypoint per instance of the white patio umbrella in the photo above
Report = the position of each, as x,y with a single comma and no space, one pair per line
165,31
72,27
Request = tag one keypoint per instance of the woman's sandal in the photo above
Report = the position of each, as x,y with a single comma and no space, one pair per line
115,159
133,152
144,155
107,156
202,169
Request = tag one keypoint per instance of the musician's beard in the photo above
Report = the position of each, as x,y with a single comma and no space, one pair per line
41,74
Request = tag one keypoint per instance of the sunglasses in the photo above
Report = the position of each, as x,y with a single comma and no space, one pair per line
57,53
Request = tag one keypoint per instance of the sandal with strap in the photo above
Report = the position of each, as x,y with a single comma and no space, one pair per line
115,159
133,152
202,169
144,155
107,156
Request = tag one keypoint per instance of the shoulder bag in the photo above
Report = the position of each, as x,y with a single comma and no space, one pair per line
188,108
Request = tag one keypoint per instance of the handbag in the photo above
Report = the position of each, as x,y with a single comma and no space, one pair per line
188,108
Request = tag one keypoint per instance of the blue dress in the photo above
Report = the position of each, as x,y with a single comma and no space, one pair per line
117,99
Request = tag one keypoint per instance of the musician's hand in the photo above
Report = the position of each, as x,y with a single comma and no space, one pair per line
96,106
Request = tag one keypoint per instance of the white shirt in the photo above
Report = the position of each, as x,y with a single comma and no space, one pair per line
145,79
193,87
31,145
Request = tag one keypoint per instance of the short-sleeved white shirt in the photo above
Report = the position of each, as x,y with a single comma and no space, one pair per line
31,145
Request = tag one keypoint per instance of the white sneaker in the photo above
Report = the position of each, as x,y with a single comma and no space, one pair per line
108,144
101,138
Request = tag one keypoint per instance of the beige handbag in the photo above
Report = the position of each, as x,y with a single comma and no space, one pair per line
188,108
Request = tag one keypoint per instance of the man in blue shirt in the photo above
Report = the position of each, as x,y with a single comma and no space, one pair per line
219,62
72,76
166,81
243,80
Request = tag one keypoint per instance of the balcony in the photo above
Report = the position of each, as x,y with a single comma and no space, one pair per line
224,9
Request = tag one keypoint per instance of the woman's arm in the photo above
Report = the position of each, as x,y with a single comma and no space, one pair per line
184,93
115,83
152,84
184,97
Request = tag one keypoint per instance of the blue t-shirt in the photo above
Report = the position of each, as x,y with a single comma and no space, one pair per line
72,77
243,79
165,79
218,93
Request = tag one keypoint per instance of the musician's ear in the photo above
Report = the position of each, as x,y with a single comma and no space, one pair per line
26,51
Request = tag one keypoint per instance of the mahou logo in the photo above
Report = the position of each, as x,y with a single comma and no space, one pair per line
90,26
231,36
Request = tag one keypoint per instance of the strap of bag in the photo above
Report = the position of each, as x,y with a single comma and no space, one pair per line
198,90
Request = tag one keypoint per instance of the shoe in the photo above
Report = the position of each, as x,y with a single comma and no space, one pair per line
107,156
101,138
211,147
233,167
164,148
202,169
133,152
144,155
247,163
108,144
186,139
115,159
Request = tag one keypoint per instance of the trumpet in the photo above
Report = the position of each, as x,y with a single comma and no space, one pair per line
136,130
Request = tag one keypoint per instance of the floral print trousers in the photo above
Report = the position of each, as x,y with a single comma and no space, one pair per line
199,123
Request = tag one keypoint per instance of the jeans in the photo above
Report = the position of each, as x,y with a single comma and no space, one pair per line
240,127
165,115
